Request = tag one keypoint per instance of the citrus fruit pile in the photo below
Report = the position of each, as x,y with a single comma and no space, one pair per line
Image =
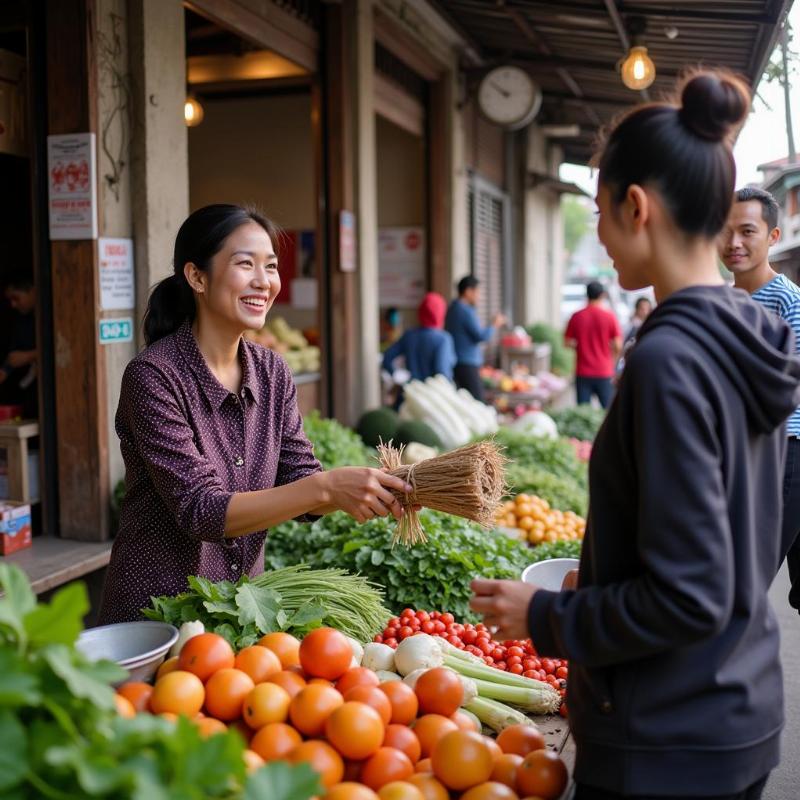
306,702
538,521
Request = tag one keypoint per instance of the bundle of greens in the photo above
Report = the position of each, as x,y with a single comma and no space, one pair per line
62,736
437,575
334,444
579,422
563,493
295,599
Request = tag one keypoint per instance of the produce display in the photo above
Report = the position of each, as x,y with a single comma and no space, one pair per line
334,444
278,335
435,575
583,449
536,390
564,493
378,425
579,422
562,358
454,415
539,522
294,599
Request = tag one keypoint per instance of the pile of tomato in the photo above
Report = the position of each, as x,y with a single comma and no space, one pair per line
517,656
305,702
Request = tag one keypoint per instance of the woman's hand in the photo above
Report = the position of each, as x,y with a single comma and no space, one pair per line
363,492
504,605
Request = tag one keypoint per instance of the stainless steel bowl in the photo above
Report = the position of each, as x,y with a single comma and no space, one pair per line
139,647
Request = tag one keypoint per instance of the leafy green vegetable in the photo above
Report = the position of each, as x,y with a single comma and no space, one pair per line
564,494
434,575
562,359
556,456
334,444
579,422
295,599
548,550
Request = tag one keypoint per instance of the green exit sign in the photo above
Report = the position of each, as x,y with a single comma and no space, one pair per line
118,329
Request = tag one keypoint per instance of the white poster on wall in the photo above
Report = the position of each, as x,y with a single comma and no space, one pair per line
115,257
72,184
401,259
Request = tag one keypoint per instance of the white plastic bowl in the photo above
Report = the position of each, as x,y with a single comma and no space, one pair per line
549,574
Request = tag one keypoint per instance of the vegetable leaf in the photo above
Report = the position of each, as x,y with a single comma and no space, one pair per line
17,600
13,760
258,605
61,620
90,680
280,781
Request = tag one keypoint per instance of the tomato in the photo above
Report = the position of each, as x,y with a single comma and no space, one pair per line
325,653
402,738
284,645
520,739
465,722
562,672
356,730
226,691
516,651
178,692
170,665
430,729
448,618
431,788
260,663
372,696
424,765
138,693
391,642
204,654
275,741
124,706
400,790
310,708
322,758
252,760
491,790
266,703
350,790
505,769
461,760
403,700
208,726
494,748
385,766
548,666
563,710
439,691
288,680
543,774
357,676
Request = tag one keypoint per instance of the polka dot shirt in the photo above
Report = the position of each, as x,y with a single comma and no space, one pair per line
189,444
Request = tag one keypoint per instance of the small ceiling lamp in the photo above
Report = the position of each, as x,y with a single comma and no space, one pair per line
192,111
638,70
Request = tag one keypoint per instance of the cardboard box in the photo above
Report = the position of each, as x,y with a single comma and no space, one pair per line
15,527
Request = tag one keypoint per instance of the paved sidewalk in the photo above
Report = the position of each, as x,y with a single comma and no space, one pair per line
784,784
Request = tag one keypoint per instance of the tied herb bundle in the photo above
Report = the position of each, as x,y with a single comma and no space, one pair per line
468,482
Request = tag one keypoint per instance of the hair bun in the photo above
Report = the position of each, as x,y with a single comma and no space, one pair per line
713,105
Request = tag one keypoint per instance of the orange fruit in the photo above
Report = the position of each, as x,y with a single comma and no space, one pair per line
462,760
325,653
494,748
252,760
385,766
424,765
465,722
431,788
350,790
322,758
178,692
266,703
430,728
355,729
401,737
170,665
357,676
505,769
205,654
275,741
138,693
124,706
311,707
372,696
400,790
490,790
226,691
403,700
288,680
520,739
542,773
208,726
258,662
284,645
168,715
439,691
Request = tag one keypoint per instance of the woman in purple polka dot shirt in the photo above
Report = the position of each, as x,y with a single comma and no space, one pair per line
212,439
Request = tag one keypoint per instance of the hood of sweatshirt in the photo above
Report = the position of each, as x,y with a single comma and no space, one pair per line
432,310
755,348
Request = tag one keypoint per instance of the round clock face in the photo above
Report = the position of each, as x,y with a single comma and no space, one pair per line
509,97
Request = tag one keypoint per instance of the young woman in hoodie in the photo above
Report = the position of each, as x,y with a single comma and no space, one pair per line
675,685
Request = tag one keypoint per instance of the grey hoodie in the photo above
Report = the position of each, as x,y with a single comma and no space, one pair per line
675,684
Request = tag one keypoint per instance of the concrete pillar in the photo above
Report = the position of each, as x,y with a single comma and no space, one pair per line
159,149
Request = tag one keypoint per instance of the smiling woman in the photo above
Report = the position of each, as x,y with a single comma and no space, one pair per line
209,429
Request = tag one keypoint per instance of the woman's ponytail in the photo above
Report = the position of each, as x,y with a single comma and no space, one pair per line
199,239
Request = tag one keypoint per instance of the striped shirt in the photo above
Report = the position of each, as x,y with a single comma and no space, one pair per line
783,297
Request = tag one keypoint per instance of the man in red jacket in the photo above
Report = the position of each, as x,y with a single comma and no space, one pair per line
594,333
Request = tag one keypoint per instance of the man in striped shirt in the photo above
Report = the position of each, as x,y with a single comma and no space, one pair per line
752,228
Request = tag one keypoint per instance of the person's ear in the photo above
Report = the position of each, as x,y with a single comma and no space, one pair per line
637,207
195,277
774,236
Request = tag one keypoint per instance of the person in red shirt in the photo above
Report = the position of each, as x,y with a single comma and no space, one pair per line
594,333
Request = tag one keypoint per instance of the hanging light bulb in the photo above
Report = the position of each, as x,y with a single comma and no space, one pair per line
638,69
192,111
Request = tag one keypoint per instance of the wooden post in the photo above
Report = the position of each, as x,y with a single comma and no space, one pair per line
79,360
440,186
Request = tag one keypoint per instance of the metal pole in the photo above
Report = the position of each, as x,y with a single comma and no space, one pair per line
787,92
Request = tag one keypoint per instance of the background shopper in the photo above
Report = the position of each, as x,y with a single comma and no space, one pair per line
463,325
595,335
